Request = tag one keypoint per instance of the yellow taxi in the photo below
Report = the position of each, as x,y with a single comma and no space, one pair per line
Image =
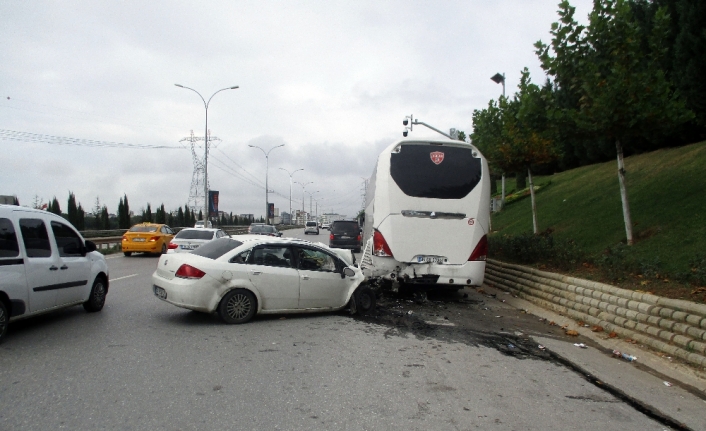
147,238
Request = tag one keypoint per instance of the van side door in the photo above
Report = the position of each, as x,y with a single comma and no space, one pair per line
12,267
75,268
41,266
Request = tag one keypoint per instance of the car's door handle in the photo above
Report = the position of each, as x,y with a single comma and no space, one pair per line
64,267
53,268
305,277
256,272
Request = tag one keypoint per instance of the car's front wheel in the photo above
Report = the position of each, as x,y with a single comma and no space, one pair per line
238,306
364,300
96,299
4,320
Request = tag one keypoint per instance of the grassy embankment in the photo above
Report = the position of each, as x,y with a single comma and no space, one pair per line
667,202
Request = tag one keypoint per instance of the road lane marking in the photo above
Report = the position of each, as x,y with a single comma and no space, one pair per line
123,277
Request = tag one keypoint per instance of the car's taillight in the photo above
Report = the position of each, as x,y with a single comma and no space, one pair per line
380,247
188,271
154,238
172,246
124,238
331,237
358,238
481,250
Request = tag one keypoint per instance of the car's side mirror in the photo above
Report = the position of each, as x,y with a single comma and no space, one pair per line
90,246
347,272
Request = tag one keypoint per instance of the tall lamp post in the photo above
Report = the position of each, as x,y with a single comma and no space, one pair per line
267,167
498,79
311,194
205,145
303,191
290,190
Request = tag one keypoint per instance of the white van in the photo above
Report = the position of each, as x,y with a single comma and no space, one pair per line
45,264
427,214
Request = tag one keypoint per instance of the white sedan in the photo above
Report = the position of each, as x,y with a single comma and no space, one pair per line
190,238
244,275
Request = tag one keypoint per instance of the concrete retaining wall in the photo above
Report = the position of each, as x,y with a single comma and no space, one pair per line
672,326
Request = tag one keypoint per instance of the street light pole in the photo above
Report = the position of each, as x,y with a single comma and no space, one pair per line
267,167
303,191
498,78
311,195
205,144
290,191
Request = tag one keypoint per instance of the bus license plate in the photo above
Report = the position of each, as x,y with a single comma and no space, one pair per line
431,259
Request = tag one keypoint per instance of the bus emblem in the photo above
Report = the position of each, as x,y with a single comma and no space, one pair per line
437,157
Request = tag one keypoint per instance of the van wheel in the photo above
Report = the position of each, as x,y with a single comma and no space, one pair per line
238,306
96,299
364,300
127,253
4,320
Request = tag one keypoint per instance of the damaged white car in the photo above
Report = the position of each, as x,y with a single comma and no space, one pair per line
245,275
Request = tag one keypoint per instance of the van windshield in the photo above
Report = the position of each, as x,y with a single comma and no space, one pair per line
431,171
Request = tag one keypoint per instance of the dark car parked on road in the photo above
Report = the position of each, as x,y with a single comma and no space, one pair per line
345,234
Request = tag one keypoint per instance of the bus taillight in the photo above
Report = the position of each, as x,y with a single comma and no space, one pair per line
481,250
380,247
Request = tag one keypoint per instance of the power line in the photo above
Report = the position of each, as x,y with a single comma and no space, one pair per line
11,135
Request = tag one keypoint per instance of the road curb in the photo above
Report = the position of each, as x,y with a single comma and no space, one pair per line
672,326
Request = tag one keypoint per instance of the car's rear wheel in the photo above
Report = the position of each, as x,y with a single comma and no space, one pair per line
164,249
96,299
364,300
4,320
127,253
238,306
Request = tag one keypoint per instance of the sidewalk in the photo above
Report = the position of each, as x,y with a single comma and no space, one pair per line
682,405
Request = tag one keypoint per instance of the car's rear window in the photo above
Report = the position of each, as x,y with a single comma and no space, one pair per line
262,229
143,229
311,223
343,227
431,171
217,248
194,234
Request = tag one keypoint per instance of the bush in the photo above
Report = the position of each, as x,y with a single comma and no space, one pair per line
532,249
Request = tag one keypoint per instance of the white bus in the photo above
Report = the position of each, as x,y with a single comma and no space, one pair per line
427,214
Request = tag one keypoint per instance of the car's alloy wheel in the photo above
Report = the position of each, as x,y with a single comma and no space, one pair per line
4,319
238,306
96,299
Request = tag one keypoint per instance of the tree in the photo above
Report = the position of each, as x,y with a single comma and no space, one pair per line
161,215
624,95
80,218
124,221
54,206
180,218
147,214
72,210
104,218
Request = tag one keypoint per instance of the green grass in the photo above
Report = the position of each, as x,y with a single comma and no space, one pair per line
667,195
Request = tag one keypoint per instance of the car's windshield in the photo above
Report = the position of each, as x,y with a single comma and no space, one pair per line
195,234
217,248
143,229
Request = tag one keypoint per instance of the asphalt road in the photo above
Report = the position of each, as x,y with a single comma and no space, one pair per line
454,363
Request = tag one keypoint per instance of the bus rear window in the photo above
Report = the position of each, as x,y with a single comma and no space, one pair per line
438,172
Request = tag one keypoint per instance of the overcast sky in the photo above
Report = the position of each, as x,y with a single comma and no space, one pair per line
331,80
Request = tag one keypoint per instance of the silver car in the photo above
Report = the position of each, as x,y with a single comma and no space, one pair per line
192,238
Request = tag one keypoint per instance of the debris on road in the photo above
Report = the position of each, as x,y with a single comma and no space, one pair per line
625,356
613,335
572,333
581,345
596,328
540,347
667,384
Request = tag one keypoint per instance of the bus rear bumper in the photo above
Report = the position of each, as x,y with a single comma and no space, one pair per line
429,274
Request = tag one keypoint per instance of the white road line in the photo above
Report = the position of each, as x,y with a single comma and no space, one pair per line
123,277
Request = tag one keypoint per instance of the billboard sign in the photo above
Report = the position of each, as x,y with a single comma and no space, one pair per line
213,203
